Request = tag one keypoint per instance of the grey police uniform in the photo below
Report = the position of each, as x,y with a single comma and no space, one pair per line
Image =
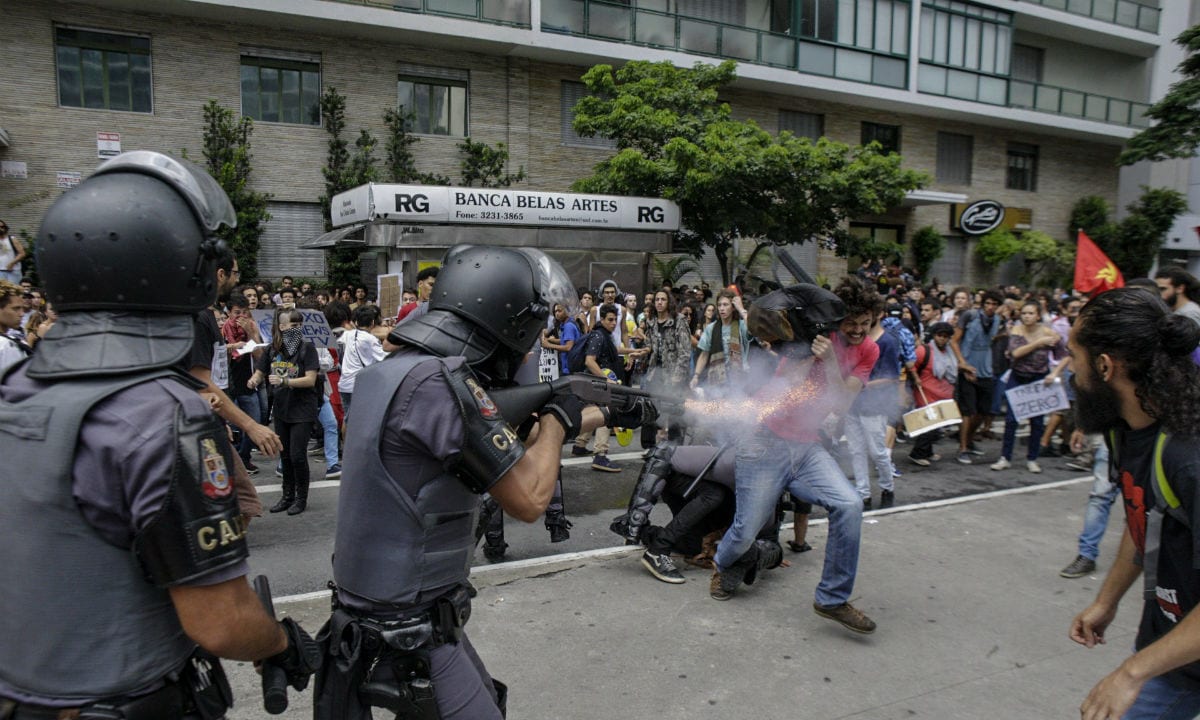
428,442
95,537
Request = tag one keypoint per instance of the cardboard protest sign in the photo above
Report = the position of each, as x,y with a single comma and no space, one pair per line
1037,398
316,328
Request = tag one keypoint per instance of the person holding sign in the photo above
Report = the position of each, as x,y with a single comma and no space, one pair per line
1030,344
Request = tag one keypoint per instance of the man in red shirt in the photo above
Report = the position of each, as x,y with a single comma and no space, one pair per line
783,452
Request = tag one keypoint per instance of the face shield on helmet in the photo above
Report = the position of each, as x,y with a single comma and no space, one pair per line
552,281
198,188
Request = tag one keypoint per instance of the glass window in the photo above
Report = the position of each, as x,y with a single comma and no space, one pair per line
802,124
1027,63
954,153
437,106
1022,167
966,36
572,93
103,70
276,90
888,136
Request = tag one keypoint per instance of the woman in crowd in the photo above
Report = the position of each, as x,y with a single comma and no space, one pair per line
1030,344
632,335
723,345
961,299
669,338
290,366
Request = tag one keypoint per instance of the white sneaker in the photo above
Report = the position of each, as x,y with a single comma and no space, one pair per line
1001,464
1032,467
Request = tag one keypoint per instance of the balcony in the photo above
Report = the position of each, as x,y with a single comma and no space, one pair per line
619,22
1005,92
1119,12
502,12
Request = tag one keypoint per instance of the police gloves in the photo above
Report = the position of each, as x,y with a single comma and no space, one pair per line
568,409
302,657
631,411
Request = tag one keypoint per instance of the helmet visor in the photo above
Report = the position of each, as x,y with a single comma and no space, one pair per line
203,194
551,281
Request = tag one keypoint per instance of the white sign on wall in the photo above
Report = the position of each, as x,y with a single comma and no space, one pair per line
13,169
108,144
67,180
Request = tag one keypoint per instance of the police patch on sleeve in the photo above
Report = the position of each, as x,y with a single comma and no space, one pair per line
483,402
214,481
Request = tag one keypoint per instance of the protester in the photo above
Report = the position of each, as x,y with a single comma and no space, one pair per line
1030,345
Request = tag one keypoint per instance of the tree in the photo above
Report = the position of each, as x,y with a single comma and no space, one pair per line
1133,242
1176,133
927,246
227,157
672,270
1045,259
730,178
486,165
400,162
343,171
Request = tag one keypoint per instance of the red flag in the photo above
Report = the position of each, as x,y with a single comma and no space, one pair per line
1094,272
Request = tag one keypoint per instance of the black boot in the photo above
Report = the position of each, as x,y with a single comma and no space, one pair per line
289,496
301,498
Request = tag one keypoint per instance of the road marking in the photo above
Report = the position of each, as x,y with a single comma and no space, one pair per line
567,462
626,550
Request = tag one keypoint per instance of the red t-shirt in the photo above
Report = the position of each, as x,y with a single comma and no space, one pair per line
801,409
405,310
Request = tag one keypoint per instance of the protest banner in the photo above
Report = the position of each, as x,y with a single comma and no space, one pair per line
316,328
1037,398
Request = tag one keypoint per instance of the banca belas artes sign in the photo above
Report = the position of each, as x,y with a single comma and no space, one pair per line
981,217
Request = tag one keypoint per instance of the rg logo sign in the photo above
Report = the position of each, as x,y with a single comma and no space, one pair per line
650,214
417,203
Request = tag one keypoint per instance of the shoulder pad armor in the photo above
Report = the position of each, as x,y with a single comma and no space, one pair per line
199,528
490,446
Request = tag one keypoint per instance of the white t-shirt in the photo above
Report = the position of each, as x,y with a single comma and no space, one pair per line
359,349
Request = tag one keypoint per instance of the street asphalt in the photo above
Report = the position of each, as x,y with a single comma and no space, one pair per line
972,616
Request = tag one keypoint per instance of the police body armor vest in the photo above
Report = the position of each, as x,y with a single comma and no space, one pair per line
81,622
393,549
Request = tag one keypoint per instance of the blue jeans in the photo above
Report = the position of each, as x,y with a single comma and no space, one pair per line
1036,425
249,405
329,425
1100,501
767,465
1161,700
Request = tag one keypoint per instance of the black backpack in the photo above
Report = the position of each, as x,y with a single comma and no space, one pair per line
576,357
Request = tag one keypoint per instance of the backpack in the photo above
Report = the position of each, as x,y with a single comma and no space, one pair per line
576,357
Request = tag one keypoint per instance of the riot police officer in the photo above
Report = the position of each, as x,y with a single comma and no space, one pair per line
120,534
428,440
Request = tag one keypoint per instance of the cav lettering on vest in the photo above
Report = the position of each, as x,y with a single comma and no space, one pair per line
211,537
1036,398
981,217
504,439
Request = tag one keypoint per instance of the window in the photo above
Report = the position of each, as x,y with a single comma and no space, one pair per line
281,90
802,124
572,93
966,36
888,136
103,70
1022,167
1027,63
435,98
954,158
873,24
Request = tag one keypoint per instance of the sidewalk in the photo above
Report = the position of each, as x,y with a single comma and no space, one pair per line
972,617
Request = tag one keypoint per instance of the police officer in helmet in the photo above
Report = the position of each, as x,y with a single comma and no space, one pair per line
428,441
119,528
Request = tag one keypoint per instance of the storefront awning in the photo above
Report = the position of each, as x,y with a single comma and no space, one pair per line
340,237
931,197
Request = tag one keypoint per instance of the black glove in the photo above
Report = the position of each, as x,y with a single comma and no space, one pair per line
631,411
568,409
302,657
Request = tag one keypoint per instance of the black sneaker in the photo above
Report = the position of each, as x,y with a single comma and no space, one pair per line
251,469
1078,568
848,617
603,464
887,499
579,451
662,567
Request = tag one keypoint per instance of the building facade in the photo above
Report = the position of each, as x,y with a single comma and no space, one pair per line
1024,102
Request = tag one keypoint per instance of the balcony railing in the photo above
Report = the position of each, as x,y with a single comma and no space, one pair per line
1005,92
652,28
503,12
1120,12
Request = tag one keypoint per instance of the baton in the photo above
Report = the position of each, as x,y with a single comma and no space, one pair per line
704,471
274,680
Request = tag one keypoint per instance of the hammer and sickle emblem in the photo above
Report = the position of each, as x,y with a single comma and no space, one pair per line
1108,274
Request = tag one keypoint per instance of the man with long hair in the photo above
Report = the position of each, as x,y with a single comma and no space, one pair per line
1135,382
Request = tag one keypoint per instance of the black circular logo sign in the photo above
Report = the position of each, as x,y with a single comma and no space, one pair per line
981,217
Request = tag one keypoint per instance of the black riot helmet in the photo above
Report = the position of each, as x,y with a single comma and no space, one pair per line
794,316
136,236
489,305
